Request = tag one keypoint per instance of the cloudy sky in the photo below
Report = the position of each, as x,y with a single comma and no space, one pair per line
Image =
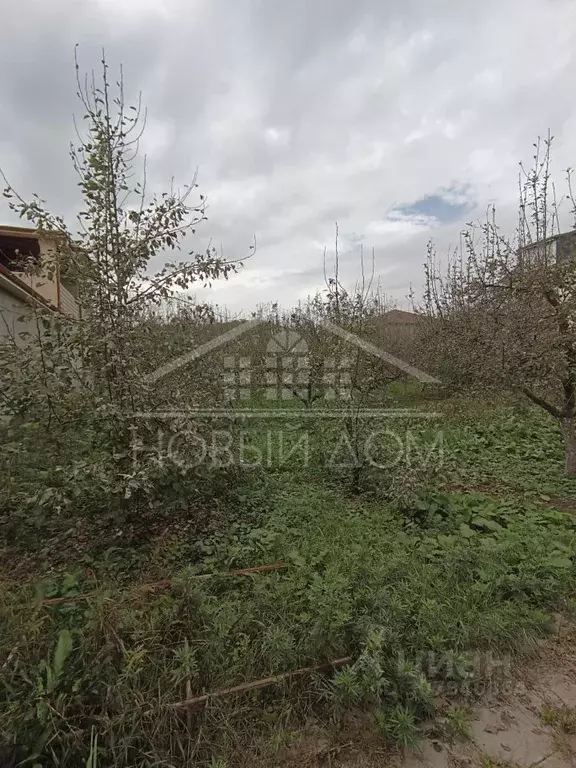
399,119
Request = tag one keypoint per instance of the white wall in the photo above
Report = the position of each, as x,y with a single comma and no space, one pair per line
16,317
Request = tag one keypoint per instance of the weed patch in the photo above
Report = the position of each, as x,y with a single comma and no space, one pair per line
424,607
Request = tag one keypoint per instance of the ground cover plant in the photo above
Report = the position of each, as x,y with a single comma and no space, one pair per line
410,592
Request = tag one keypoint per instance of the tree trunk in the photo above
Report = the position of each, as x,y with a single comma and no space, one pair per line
569,432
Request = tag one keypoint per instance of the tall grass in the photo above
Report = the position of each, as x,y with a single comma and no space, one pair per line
356,570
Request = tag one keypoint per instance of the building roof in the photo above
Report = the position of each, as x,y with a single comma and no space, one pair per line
8,229
401,317
571,234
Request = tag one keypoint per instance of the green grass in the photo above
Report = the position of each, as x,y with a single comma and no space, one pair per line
416,588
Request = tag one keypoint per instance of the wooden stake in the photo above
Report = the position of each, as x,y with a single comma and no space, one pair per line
200,701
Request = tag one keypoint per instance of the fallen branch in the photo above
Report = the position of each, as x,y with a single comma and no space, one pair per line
200,701
166,583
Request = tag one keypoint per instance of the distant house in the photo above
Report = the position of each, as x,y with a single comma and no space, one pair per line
397,324
22,288
558,249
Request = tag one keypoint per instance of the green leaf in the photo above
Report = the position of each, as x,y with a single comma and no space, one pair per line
466,531
296,558
63,650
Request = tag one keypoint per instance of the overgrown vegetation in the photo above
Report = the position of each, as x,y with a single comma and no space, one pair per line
72,386
419,534
426,598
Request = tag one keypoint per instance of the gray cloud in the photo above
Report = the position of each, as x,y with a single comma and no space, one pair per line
300,114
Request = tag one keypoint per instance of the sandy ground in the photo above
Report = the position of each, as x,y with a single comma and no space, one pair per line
529,721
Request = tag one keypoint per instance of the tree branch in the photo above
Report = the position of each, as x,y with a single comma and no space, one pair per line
556,412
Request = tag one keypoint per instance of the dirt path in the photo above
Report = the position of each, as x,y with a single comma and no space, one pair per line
533,723
529,721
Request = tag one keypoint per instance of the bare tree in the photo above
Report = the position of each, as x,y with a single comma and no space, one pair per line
503,314
364,376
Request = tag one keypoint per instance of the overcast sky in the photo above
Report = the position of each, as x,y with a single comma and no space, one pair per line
400,119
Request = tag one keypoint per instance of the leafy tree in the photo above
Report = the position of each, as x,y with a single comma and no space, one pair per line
91,373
